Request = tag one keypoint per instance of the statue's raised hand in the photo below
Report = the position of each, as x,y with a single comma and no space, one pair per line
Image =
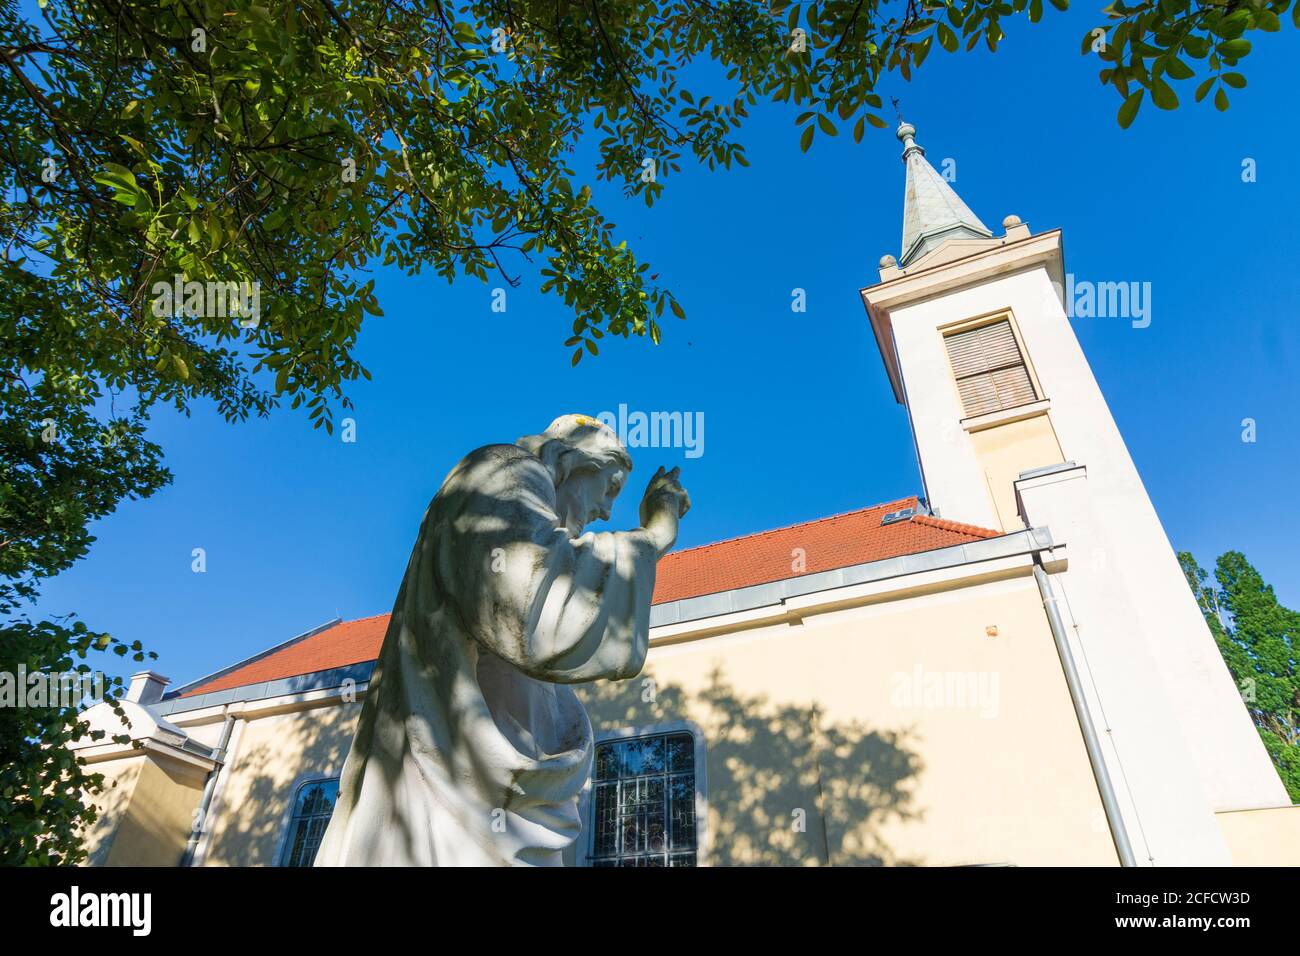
665,501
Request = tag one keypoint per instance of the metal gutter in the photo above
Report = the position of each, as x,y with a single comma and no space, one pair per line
757,596
299,684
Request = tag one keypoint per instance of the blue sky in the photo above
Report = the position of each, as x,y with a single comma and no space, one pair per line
799,419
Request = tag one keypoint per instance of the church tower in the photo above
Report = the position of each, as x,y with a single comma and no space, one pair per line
1012,432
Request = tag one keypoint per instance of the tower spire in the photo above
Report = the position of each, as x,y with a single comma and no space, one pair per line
932,212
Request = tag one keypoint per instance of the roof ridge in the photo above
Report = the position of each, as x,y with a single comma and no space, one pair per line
787,527
959,527
368,617
182,689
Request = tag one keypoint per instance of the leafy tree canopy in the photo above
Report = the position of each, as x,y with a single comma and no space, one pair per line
1147,45
295,145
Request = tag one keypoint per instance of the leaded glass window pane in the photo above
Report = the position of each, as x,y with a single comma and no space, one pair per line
312,806
643,802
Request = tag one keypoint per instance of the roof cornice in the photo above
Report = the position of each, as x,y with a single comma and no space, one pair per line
993,258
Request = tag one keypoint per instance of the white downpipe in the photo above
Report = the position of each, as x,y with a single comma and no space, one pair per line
1109,803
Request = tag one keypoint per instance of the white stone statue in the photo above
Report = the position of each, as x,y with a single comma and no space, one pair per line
471,749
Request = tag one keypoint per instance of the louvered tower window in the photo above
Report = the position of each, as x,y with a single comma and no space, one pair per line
990,370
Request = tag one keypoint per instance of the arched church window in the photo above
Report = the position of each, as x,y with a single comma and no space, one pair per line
312,806
643,802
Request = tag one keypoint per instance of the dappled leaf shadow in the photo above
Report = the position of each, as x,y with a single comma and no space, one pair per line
275,755
785,786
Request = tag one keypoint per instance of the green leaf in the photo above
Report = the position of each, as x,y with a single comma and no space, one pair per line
137,147
921,51
1197,47
826,125
1233,49
1235,80
1221,100
806,139
1130,108
118,177
1163,95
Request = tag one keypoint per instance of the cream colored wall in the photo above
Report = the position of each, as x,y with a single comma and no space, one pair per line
1004,451
273,753
146,818
208,733
1269,837
110,804
812,718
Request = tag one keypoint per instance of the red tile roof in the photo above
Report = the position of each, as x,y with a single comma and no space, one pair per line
839,541
335,645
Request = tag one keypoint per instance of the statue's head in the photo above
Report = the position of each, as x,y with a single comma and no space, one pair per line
589,465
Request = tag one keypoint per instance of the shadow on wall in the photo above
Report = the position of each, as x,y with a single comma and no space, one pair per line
276,755
111,804
784,787
772,766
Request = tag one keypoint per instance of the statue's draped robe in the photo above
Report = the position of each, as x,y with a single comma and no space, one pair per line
470,748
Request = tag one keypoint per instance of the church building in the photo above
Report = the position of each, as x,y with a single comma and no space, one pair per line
1006,669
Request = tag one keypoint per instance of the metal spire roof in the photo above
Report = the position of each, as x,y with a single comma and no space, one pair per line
932,212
